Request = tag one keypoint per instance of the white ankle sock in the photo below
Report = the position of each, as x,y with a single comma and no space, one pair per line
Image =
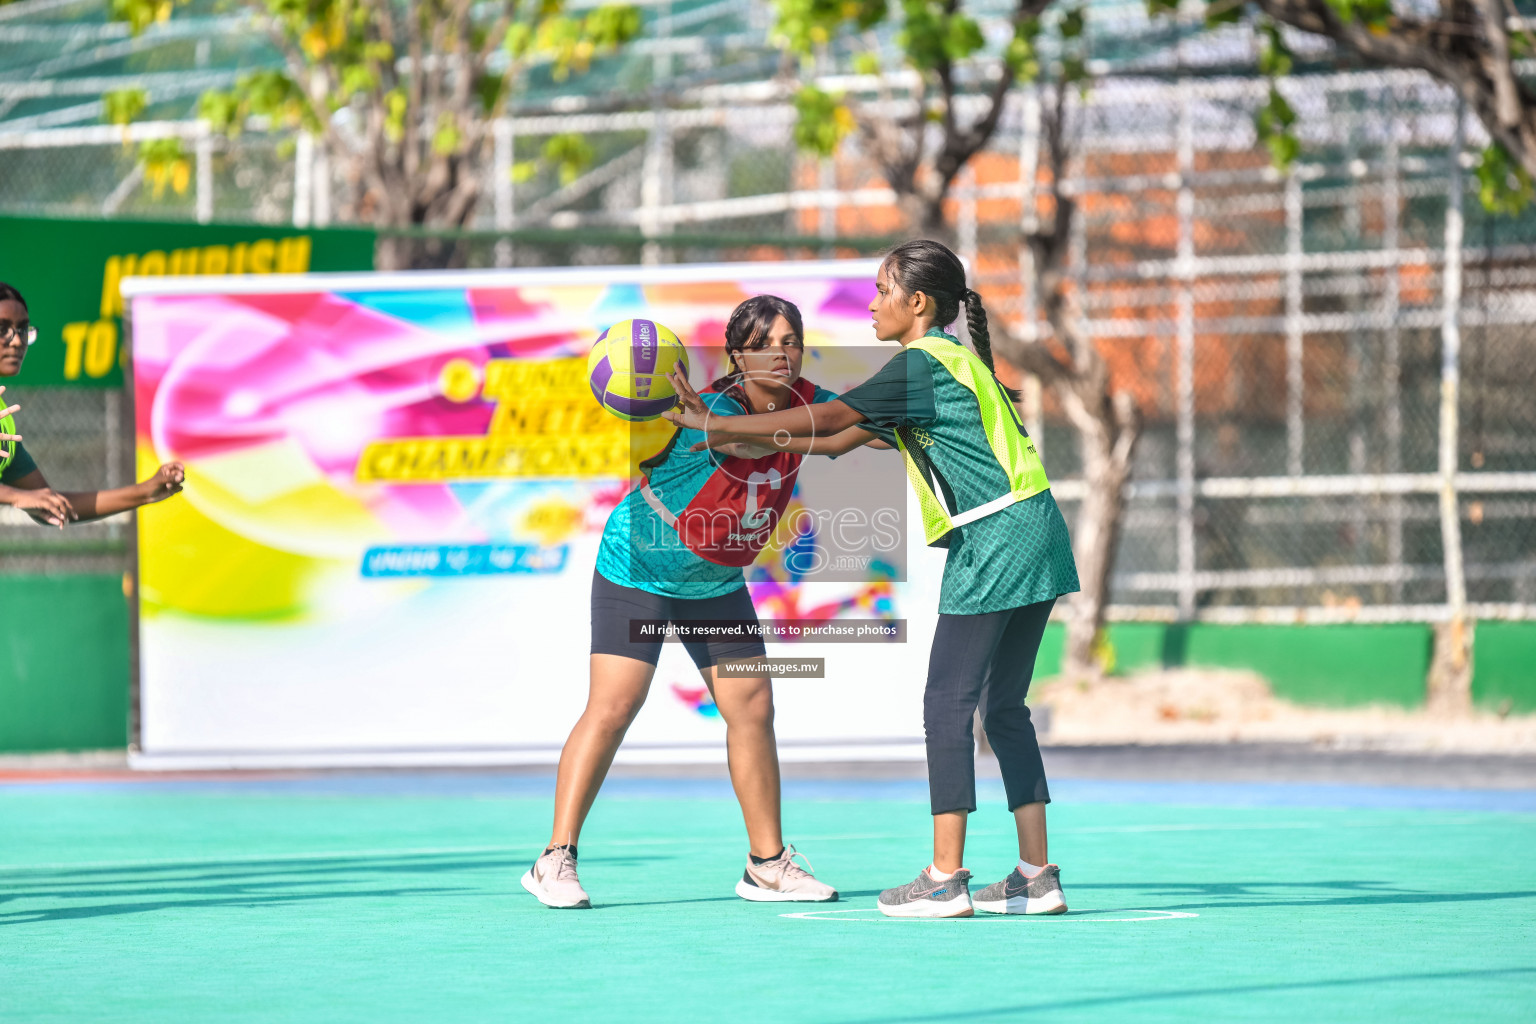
939,876
1030,870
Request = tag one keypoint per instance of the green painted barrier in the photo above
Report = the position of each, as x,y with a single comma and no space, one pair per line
1504,671
1338,666
64,662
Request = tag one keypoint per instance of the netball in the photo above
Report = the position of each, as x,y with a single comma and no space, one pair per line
628,369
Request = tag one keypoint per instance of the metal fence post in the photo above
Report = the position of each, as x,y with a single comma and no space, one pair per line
501,186
204,173
656,177
1032,398
1295,424
1184,373
1391,216
1450,678
303,179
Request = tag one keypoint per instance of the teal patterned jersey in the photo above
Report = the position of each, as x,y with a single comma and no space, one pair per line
639,550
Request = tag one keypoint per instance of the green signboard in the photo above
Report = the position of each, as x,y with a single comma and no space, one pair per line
69,271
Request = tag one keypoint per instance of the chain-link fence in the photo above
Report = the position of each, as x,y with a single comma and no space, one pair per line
81,441
1284,334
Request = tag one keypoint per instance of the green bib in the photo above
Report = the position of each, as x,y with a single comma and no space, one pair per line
1014,451
7,449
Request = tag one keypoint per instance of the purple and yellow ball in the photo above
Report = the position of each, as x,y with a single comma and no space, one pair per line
628,369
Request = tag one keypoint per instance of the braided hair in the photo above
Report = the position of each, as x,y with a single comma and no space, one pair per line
923,265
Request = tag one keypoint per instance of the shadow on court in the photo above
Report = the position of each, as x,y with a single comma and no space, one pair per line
250,883
1169,995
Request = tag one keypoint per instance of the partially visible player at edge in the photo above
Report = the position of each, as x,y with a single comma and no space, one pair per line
1009,559
673,550
22,484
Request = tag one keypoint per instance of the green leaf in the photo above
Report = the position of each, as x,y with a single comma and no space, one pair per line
1273,122
396,105
222,111
1072,23
803,25
140,14
570,153
866,63
962,37
165,163
1503,185
446,139
123,105
822,120
1275,60
1021,55
490,88
613,25
1156,8
1223,12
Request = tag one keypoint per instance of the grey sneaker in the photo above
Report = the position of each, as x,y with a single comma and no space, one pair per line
925,897
553,880
781,880
1019,895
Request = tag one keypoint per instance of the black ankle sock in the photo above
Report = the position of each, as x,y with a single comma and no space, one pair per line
755,858
562,846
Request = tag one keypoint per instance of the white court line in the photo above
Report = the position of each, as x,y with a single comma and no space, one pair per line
1080,917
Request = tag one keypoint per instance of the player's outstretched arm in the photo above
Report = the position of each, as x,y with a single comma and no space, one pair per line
747,447
90,505
823,419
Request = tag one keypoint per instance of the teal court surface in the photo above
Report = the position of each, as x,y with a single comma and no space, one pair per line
395,897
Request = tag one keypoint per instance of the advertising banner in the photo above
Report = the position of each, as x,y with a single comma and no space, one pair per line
69,271
396,490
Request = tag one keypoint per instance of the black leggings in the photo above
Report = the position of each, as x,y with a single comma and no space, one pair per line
987,661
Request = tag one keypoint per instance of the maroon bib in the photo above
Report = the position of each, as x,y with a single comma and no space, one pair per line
736,511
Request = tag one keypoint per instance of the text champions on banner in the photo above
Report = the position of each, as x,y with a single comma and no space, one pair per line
545,425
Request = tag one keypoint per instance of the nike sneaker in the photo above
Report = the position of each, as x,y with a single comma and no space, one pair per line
1019,895
781,880
552,879
927,897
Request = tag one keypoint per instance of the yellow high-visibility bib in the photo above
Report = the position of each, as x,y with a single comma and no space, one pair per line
1015,452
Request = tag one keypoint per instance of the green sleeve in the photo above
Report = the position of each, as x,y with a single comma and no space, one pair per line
899,395
20,466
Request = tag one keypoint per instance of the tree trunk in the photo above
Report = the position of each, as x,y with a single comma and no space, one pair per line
409,252
1107,449
1448,691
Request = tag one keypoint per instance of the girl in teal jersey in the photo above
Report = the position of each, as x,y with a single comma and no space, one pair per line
1009,558
664,559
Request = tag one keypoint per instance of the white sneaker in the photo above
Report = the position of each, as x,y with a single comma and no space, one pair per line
552,879
781,880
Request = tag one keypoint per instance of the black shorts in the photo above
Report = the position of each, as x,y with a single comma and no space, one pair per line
614,606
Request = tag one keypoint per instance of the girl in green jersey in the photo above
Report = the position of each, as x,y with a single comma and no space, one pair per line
22,484
985,497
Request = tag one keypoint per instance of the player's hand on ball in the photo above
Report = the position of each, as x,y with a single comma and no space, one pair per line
691,412
46,505
166,482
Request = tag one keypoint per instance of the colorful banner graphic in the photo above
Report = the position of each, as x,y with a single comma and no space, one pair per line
395,490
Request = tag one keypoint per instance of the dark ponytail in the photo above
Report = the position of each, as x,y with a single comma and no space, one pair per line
10,294
923,265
